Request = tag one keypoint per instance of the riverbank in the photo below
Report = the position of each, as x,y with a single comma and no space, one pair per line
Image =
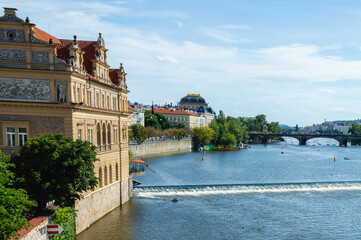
160,147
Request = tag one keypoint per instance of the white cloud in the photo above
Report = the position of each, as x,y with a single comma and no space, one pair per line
225,36
232,26
179,24
327,90
167,59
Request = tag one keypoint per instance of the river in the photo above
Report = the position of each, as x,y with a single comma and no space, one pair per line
274,191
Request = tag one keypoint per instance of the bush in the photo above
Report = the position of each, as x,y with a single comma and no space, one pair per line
65,217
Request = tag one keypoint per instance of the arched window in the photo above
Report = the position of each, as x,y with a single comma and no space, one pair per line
105,176
99,131
100,178
116,172
104,130
110,174
109,136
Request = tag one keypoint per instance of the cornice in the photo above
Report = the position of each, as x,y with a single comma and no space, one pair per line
36,104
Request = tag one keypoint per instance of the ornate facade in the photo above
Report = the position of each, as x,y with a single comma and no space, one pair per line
59,85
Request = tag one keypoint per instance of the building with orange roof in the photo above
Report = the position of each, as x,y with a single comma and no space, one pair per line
60,85
180,117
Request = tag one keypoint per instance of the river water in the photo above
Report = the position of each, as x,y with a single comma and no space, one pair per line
274,191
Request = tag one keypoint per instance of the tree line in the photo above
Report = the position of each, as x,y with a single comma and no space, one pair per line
223,131
227,131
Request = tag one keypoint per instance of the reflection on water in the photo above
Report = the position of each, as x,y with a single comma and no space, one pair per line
276,191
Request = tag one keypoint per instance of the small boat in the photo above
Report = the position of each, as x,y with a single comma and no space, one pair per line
347,158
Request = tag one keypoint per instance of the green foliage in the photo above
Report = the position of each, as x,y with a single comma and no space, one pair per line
355,129
296,129
274,127
130,154
228,140
203,136
151,120
54,167
152,132
13,202
139,132
65,217
174,132
229,128
163,121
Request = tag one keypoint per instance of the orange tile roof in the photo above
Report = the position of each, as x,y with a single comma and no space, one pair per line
41,35
177,112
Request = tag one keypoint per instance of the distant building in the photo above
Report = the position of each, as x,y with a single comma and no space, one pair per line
192,102
343,128
188,118
137,116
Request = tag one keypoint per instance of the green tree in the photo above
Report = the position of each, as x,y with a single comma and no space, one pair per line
274,127
151,120
228,140
296,128
13,202
163,121
355,129
203,136
139,132
53,167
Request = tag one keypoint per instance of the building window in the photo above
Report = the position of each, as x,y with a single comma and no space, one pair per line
89,100
90,135
97,100
79,134
77,94
115,136
10,137
22,136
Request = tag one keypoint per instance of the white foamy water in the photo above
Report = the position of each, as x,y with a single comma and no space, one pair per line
155,192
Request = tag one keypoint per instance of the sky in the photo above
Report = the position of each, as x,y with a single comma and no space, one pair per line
297,62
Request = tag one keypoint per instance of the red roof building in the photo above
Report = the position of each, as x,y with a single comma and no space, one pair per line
180,117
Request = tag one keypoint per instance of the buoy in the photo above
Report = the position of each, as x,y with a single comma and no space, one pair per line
202,158
174,200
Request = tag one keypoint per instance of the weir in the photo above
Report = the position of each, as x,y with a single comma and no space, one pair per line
198,190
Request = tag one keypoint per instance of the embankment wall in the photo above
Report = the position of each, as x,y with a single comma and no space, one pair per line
98,203
161,147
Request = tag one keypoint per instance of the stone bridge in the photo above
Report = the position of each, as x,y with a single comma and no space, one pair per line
303,138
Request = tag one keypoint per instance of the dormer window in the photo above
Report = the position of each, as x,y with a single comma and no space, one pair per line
119,80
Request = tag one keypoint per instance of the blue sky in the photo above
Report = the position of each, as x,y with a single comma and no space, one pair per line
298,62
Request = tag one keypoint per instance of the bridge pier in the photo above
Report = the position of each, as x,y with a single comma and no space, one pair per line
265,139
343,142
302,141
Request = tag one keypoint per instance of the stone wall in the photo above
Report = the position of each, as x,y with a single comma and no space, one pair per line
154,148
98,203
37,230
